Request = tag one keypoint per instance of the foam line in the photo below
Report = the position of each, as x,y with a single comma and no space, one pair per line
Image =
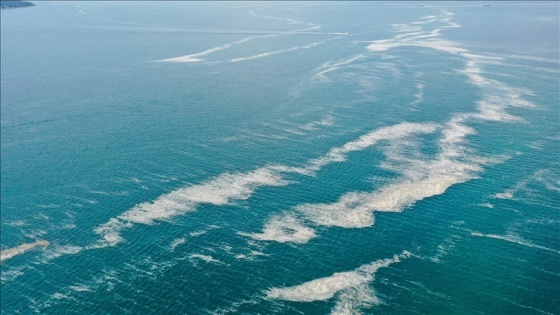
351,287
332,66
288,20
219,191
394,132
412,34
270,53
515,239
21,249
195,57
355,209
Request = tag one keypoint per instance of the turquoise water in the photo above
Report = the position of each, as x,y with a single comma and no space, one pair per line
290,158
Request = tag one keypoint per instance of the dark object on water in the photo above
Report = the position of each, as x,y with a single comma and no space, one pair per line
10,4
485,5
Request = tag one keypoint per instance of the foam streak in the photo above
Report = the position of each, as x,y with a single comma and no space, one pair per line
351,287
195,57
21,249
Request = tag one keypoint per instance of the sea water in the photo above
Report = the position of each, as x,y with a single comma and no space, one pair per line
280,157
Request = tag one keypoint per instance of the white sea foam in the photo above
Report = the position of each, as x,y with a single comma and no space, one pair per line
444,249
220,191
328,120
197,233
10,274
251,255
320,72
176,242
542,176
284,229
321,289
21,249
510,193
419,95
499,95
455,163
512,238
194,57
351,210
413,34
505,195
290,21
206,258
80,288
353,300
270,53
355,209
18,223
287,20
394,132
350,287
60,296
421,179
227,188
548,179
56,251
34,234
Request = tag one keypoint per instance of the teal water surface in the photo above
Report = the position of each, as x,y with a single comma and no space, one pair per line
280,157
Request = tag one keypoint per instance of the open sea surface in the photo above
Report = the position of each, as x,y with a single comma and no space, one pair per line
280,158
